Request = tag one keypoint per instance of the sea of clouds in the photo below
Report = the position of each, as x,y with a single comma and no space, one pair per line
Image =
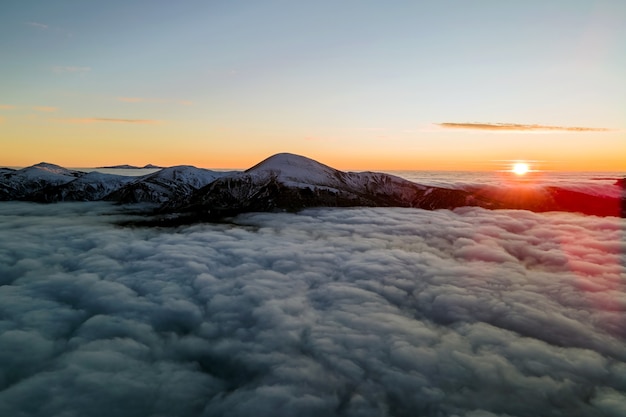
330,312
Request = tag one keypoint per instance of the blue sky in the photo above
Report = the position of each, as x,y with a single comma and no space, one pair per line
246,79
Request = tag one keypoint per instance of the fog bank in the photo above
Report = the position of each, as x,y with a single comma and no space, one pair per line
346,312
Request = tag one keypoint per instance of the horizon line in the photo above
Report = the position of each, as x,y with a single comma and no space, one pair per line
142,168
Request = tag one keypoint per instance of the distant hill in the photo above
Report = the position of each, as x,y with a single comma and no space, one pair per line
149,166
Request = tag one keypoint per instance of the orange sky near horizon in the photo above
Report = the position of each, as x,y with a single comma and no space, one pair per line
417,86
92,144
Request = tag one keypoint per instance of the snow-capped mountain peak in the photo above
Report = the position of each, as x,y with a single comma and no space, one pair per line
45,169
46,166
296,170
289,162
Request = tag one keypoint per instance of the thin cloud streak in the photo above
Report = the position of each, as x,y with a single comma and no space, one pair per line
153,100
37,25
516,127
46,109
48,28
110,120
140,100
62,69
6,107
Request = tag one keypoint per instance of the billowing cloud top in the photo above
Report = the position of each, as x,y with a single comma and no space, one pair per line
336,312
520,127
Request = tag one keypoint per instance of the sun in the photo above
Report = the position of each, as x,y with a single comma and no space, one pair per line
520,168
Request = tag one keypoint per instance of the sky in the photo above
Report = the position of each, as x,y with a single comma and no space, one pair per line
445,85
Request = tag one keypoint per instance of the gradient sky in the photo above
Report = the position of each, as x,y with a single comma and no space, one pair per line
466,85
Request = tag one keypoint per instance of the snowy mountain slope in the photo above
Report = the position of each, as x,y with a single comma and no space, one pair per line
6,191
380,189
92,186
301,172
50,183
22,182
174,183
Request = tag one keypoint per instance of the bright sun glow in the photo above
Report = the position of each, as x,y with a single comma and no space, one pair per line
520,168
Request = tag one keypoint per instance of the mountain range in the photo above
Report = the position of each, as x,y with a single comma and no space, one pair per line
126,166
284,182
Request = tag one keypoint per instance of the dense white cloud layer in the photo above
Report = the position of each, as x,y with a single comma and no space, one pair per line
355,312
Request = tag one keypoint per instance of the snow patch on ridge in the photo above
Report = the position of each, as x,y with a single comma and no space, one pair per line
187,174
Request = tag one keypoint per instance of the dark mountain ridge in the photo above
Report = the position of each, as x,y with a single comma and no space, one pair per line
126,166
285,182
